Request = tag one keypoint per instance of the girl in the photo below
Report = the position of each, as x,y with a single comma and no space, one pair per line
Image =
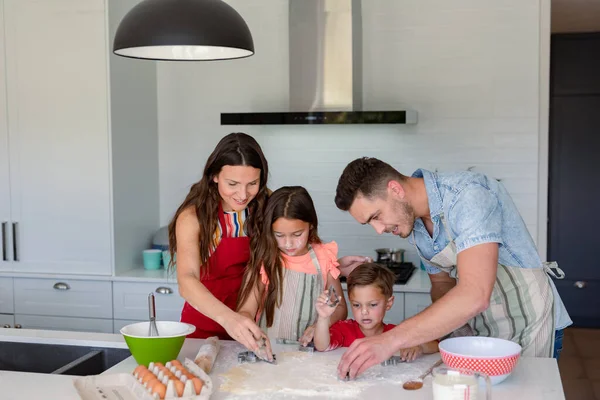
289,268
212,231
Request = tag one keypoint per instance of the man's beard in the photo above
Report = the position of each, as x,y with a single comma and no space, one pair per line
406,216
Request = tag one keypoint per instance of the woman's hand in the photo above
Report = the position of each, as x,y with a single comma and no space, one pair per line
348,263
412,353
245,331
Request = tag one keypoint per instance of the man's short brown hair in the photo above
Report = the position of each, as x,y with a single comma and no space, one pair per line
365,176
372,274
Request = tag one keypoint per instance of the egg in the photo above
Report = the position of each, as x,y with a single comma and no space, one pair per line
160,389
151,383
139,371
148,377
159,365
176,363
179,386
197,385
189,375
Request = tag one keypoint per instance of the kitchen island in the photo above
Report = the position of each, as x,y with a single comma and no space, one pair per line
532,379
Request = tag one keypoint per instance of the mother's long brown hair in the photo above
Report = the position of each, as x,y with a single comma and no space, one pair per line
290,202
234,149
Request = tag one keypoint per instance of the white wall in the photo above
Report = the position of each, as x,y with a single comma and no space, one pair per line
469,67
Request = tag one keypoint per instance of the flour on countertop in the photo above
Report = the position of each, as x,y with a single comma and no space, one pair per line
300,374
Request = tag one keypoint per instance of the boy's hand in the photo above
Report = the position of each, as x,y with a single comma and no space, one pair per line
323,309
412,353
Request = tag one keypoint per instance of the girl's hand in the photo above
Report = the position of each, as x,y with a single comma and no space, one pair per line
245,331
323,309
307,336
412,353
348,263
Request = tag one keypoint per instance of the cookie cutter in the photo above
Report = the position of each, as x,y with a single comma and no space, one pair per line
332,297
309,348
251,357
393,360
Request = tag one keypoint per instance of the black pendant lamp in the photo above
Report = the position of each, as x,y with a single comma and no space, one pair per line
183,30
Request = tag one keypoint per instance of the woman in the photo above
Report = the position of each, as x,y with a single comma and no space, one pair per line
211,233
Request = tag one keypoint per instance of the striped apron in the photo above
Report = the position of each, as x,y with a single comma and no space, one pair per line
521,305
297,309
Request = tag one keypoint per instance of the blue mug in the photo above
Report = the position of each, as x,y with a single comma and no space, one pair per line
152,258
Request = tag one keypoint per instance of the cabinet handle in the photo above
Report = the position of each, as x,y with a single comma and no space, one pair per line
15,237
61,286
580,284
4,257
6,326
164,290
18,326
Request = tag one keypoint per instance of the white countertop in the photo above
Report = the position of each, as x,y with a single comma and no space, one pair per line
532,379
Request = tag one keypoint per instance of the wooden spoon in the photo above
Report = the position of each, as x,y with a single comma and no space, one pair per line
416,384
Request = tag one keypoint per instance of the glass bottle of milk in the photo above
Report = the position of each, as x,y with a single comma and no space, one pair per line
454,384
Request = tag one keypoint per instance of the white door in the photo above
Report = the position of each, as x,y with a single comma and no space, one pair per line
5,224
56,61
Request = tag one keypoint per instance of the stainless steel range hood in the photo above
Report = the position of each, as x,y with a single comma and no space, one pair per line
325,42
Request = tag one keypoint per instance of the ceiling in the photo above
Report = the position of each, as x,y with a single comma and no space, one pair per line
575,16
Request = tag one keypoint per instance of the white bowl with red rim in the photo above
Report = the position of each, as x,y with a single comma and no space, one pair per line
494,357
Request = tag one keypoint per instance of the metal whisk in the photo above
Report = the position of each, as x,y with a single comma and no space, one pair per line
152,329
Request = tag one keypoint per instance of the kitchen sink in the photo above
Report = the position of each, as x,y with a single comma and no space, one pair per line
59,359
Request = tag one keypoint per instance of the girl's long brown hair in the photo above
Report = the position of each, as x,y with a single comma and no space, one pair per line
234,149
290,202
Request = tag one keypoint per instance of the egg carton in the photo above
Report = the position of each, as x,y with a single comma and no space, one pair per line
128,387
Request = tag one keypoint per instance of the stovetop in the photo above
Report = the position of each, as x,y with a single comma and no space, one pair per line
403,271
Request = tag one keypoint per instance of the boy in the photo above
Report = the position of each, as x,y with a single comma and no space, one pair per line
370,290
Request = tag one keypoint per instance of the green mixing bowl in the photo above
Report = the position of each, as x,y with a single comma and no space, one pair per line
166,347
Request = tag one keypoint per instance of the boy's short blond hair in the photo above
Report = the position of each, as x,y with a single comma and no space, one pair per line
372,274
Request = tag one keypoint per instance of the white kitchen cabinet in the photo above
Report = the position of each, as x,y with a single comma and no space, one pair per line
7,321
396,314
64,323
63,298
5,225
414,303
56,69
119,323
6,296
74,197
130,301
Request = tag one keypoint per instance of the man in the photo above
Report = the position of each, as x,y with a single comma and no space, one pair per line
482,262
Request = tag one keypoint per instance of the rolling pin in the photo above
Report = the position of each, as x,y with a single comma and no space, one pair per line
207,354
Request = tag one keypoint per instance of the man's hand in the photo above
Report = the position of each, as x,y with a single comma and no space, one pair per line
365,353
348,263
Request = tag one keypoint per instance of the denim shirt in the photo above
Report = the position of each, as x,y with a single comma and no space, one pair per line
478,209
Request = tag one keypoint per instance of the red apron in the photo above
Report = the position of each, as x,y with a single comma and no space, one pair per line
224,279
